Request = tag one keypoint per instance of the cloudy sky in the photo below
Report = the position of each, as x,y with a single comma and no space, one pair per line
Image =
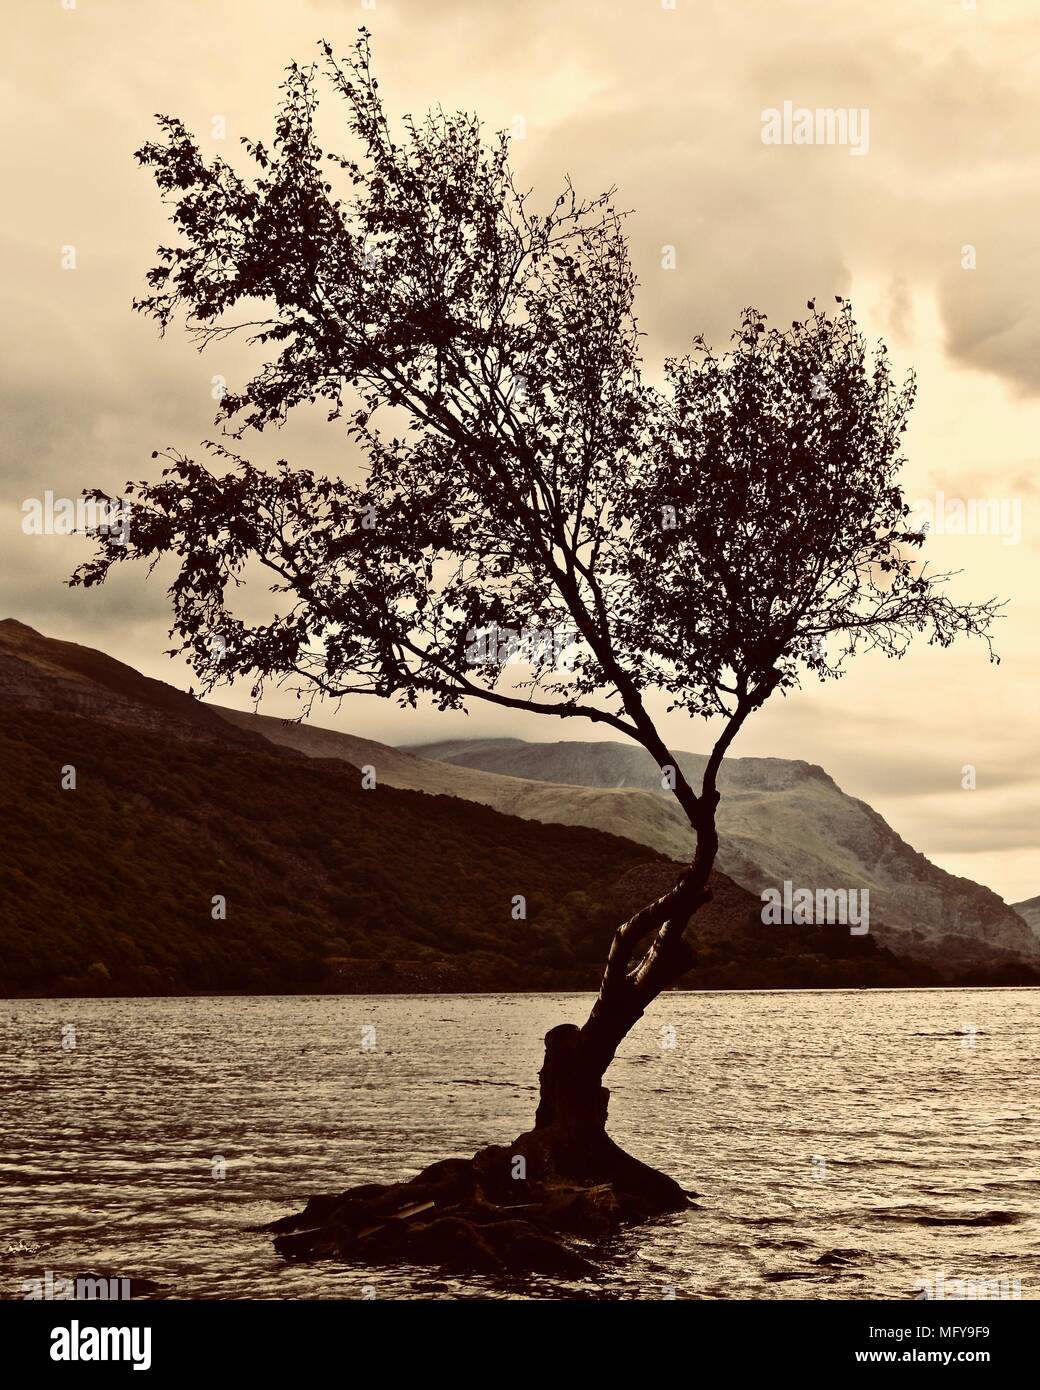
667,104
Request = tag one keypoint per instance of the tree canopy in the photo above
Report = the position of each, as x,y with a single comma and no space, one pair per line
710,536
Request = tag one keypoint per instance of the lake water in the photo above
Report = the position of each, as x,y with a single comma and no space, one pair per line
898,1128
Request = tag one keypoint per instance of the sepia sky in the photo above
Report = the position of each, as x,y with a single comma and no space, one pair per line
667,105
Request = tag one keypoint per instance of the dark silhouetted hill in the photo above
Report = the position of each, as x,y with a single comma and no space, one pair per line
110,887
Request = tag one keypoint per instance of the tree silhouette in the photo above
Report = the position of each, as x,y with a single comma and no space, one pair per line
710,539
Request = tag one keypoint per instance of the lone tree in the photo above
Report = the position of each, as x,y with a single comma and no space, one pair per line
708,539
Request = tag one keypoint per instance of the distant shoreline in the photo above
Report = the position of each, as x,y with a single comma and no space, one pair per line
486,991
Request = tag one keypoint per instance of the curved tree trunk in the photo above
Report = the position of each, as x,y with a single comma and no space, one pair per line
515,1207
572,1098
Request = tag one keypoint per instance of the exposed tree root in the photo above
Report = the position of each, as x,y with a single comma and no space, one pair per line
517,1208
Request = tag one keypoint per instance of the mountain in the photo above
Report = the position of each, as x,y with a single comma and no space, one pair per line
646,816
199,850
639,816
1029,911
110,885
40,673
779,820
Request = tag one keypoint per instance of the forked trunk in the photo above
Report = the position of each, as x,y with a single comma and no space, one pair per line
572,1099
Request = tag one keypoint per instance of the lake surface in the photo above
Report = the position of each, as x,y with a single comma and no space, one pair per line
873,1124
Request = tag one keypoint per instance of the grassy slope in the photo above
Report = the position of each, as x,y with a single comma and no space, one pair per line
111,884
108,888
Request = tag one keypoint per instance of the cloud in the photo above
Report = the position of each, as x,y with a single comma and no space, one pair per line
665,104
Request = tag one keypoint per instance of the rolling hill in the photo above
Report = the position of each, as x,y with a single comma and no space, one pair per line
780,820
787,820
200,858
190,856
199,850
1029,911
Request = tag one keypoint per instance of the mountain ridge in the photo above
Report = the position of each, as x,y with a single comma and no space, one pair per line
53,686
1029,911
827,837
76,675
206,858
942,916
